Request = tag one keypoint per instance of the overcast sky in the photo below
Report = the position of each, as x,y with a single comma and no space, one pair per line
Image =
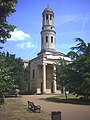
72,20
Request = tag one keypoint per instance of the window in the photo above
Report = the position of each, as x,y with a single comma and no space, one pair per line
46,38
33,75
47,17
51,39
50,17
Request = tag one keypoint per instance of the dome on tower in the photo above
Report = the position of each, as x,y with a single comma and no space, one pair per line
48,9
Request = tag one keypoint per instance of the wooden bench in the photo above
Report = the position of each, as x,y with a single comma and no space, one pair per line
33,107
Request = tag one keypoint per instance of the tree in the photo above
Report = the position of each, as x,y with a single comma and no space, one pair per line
27,78
82,66
7,7
76,75
61,74
6,79
19,72
13,75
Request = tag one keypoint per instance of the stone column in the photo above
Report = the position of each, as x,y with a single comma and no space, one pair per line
54,81
44,79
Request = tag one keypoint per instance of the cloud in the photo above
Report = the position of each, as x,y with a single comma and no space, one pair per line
63,19
71,18
84,23
19,35
22,39
24,45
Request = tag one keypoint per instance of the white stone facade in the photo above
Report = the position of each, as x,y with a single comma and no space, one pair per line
42,78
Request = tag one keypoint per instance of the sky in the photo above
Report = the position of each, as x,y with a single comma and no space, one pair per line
71,20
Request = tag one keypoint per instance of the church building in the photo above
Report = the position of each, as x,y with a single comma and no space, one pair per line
42,67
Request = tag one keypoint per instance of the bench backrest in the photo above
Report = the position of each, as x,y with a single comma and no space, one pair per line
31,104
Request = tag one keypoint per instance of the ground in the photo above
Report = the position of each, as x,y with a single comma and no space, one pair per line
68,111
16,109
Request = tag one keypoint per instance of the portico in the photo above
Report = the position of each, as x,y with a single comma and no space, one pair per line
48,81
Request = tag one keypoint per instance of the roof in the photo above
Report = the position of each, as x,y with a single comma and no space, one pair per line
48,9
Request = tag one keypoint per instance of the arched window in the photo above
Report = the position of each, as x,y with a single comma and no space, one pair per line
50,17
51,39
46,38
47,17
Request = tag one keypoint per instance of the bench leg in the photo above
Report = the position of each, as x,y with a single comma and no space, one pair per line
39,111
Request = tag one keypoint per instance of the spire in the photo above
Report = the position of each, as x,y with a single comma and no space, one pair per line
47,5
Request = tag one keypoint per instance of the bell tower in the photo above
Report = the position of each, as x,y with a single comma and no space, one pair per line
48,34
42,67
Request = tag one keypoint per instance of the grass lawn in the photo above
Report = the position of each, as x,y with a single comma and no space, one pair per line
14,109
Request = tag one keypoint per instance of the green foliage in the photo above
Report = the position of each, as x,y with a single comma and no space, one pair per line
7,7
6,79
18,70
27,76
75,76
12,73
11,68
60,72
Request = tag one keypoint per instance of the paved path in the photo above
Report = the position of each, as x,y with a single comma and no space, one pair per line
68,111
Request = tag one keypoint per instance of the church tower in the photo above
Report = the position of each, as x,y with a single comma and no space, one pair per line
48,34
42,67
